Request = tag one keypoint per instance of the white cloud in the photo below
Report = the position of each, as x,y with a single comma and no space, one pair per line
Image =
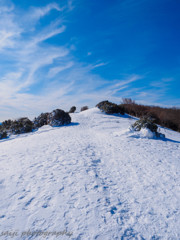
28,56
43,60
6,6
47,34
70,5
55,70
9,30
167,79
5,39
120,85
99,65
37,13
130,79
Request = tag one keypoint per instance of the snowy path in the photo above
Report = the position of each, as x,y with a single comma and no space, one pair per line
92,179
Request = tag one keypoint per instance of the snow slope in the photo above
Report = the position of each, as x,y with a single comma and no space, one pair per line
94,179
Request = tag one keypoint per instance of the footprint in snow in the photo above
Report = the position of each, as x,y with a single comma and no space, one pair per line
21,197
95,162
29,202
46,204
61,189
113,210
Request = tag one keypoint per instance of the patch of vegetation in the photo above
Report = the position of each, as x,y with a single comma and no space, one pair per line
84,108
147,123
110,108
166,117
41,120
3,134
22,125
56,118
72,109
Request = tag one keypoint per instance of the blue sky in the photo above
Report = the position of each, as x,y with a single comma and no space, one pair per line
55,54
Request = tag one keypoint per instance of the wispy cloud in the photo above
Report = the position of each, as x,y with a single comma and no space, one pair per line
27,55
50,32
55,70
37,13
120,85
70,5
99,65
37,75
9,30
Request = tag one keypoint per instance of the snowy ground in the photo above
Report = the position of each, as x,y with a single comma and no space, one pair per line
93,179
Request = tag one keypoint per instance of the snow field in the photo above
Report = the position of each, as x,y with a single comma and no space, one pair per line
93,178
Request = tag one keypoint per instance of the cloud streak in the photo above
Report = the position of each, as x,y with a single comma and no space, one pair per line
27,55
37,13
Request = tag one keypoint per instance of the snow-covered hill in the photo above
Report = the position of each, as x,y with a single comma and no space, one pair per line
93,179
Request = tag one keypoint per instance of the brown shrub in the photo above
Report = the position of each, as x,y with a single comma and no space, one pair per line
127,101
166,117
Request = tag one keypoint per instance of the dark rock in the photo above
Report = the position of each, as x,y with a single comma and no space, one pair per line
110,108
58,118
72,110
